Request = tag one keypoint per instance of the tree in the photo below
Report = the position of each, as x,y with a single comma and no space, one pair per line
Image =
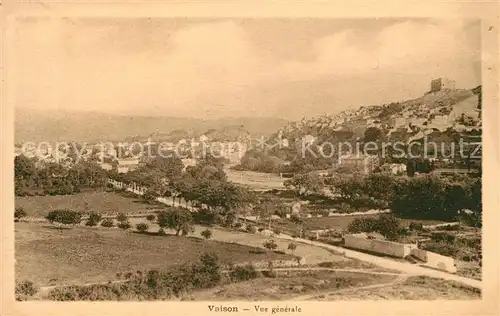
64,217
270,244
305,184
176,218
292,246
171,166
388,225
150,196
265,209
142,227
299,221
207,234
373,134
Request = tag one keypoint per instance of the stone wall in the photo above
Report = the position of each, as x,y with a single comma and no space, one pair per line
435,260
389,248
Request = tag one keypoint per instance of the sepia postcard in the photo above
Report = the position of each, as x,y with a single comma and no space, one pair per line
250,158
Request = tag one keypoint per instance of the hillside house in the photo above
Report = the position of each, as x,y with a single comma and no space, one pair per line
394,168
365,163
124,165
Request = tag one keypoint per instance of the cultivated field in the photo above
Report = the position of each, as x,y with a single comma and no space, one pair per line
258,181
83,255
103,202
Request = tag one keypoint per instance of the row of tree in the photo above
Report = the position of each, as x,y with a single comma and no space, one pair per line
53,178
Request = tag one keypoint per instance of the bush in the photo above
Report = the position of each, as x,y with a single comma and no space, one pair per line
95,217
238,225
326,264
277,231
24,290
19,213
292,246
124,225
270,244
121,217
251,229
161,232
269,274
65,217
414,226
207,234
257,251
239,274
107,222
91,222
151,218
142,227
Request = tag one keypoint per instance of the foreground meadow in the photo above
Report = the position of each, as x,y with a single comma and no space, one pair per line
46,256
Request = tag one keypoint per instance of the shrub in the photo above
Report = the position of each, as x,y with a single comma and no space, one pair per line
207,234
94,216
326,264
269,274
19,213
414,226
270,244
277,231
257,251
239,273
260,229
107,222
91,222
124,225
142,227
24,290
65,217
251,229
161,232
151,218
292,246
121,217
238,225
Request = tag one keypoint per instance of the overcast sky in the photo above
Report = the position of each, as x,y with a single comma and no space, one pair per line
237,67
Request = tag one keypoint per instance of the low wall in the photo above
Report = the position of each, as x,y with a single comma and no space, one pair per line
275,263
389,248
420,254
440,262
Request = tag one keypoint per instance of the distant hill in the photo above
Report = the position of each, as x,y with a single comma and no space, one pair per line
61,125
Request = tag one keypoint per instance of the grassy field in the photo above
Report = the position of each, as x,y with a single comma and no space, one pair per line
82,255
414,288
103,202
287,287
